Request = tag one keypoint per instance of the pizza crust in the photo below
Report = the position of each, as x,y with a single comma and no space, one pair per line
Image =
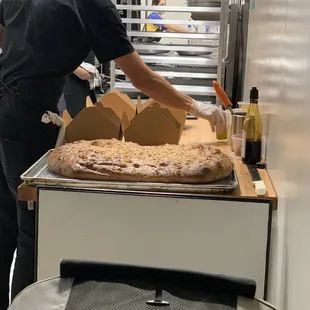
113,160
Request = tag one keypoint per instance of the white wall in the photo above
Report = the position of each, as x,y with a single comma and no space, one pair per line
278,62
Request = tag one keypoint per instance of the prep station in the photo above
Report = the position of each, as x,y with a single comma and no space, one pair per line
155,225
222,228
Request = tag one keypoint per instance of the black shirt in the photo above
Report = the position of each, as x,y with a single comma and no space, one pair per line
44,40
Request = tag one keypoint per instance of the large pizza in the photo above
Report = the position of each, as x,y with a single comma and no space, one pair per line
113,160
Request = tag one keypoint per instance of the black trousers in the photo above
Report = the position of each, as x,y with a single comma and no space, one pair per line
23,140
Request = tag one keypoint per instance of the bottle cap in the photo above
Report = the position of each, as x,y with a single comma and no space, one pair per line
254,93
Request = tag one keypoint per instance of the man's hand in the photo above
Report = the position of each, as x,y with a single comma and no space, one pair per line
82,73
210,112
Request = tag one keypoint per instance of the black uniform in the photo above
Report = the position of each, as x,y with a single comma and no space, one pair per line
44,40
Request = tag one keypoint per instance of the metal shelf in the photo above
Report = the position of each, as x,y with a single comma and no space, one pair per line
174,74
175,35
169,22
188,89
180,60
170,47
196,72
179,9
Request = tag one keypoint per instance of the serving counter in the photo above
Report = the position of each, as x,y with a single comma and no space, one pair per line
216,233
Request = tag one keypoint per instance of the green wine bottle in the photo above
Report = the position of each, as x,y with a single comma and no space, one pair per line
252,132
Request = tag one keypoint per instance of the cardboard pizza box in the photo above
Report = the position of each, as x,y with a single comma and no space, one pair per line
102,120
119,103
67,117
94,122
154,124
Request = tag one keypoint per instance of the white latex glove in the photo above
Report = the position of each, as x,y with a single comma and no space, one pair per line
93,71
215,115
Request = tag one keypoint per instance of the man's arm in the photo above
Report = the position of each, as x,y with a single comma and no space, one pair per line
152,84
82,73
168,27
156,87
175,28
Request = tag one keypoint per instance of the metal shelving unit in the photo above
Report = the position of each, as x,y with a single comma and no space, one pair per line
205,52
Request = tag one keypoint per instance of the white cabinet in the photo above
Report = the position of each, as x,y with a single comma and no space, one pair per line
219,235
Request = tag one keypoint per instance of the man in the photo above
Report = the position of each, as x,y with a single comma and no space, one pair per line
44,40
158,16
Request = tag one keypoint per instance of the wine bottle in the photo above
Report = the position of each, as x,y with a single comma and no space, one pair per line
252,132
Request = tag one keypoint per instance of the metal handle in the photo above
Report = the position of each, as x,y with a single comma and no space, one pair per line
231,53
184,9
175,35
169,22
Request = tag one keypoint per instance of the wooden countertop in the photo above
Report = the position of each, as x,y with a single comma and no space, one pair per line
199,131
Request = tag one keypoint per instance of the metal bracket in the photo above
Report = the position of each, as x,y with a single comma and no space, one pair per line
226,61
30,205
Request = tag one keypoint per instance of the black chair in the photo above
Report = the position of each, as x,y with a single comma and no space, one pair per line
99,286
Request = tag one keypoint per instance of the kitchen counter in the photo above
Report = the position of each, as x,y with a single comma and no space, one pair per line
198,131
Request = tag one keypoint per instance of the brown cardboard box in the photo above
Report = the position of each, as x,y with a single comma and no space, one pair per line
102,120
67,117
116,114
154,124
119,103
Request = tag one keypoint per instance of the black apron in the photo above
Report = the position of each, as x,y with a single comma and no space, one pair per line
76,91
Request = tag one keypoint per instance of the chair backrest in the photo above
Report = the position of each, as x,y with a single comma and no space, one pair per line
96,286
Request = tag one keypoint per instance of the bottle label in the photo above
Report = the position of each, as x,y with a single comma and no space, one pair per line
243,143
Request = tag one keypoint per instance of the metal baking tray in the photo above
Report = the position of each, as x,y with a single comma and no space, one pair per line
193,53
152,52
40,174
152,49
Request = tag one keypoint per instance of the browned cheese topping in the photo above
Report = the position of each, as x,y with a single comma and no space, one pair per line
113,160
